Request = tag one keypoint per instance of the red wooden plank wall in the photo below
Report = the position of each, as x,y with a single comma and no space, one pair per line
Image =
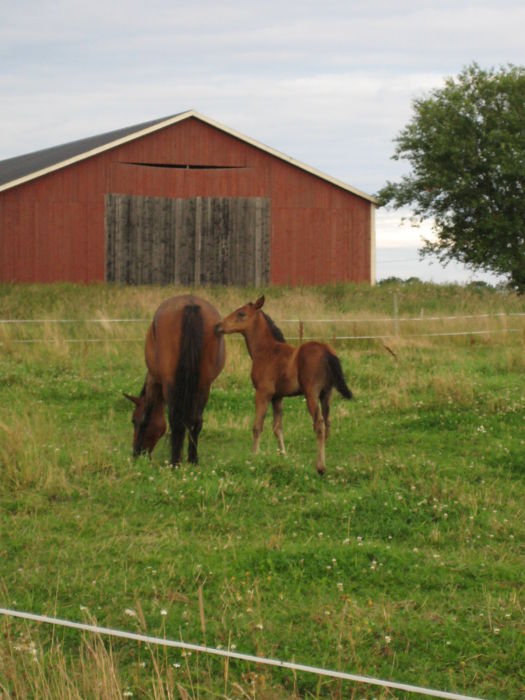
52,228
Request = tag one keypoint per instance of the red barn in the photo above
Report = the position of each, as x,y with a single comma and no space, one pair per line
179,200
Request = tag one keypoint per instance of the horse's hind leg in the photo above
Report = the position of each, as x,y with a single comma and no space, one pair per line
196,426
177,440
277,405
178,430
193,439
319,429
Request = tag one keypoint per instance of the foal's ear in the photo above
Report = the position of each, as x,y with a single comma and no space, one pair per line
134,399
259,303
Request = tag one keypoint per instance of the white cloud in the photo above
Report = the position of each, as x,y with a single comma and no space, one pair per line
395,230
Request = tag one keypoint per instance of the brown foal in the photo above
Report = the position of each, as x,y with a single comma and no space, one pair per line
279,369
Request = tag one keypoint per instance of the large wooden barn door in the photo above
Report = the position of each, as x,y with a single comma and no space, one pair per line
203,240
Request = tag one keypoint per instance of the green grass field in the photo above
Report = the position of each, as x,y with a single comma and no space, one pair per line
404,562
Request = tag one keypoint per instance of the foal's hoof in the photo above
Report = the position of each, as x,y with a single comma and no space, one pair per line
321,470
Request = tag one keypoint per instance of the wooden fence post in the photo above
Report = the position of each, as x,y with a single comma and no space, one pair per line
396,317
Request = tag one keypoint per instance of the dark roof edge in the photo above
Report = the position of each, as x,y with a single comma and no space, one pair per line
61,156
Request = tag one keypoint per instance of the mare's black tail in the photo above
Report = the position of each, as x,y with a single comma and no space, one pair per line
337,375
182,397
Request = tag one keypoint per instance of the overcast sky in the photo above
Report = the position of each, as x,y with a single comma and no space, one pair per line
327,82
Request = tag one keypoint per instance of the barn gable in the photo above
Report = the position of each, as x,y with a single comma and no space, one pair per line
16,171
66,212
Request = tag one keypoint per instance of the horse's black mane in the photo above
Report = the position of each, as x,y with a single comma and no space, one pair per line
276,332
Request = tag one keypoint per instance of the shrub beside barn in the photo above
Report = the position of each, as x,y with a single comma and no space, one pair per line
180,200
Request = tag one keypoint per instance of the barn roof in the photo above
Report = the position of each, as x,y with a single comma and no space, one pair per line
15,171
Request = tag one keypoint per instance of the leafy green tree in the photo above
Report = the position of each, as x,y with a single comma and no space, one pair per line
466,147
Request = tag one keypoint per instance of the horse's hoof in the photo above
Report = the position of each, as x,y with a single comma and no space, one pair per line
321,471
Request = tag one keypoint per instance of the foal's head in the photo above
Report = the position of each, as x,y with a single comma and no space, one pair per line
241,319
149,424
244,317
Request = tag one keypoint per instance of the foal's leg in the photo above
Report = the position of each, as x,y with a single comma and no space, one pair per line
312,402
277,405
325,407
261,406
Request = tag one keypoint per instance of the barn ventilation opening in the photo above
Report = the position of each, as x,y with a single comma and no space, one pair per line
187,166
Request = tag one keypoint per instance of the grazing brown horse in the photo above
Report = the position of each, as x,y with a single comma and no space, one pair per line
183,356
279,369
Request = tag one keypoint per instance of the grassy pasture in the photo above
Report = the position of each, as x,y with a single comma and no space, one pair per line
404,562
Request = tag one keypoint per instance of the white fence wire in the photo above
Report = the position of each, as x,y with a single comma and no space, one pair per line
339,322
227,653
385,319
